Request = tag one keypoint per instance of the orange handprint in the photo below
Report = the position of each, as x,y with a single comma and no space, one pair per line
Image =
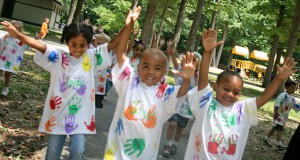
50,123
151,118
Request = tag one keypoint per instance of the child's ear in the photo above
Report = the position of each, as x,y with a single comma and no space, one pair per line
215,85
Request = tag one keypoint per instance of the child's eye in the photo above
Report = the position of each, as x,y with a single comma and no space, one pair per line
226,89
236,93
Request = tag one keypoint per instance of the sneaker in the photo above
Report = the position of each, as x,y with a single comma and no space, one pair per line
280,148
267,142
173,149
166,152
5,91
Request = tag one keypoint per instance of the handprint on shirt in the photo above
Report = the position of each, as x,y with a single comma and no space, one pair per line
63,84
19,59
81,89
55,102
74,105
119,127
100,88
151,118
86,63
125,73
65,60
161,90
198,142
53,56
232,145
212,108
134,145
99,59
92,125
239,113
204,99
4,58
214,143
131,110
100,78
135,82
7,64
70,125
168,93
50,123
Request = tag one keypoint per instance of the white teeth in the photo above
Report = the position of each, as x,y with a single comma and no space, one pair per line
77,53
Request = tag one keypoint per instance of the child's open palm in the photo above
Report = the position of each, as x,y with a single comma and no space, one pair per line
133,15
209,40
10,29
286,69
188,66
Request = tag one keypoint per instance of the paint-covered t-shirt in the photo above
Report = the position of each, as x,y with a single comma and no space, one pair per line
11,55
218,132
134,61
139,117
70,103
285,102
185,110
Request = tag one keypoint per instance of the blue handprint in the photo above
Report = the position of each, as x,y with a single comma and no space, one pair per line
135,82
168,92
70,124
119,127
204,99
52,57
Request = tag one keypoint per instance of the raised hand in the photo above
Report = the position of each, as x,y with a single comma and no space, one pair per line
286,69
10,29
188,66
133,15
209,40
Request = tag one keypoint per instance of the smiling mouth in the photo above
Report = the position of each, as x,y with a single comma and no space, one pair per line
77,53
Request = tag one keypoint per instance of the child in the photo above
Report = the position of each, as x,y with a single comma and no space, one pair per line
143,104
11,56
222,124
284,103
44,29
179,120
134,51
70,108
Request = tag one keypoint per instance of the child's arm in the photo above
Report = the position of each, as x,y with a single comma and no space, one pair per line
132,40
209,41
33,43
283,73
121,49
186,73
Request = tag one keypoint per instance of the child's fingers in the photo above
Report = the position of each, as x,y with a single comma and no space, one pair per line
183,61
195,62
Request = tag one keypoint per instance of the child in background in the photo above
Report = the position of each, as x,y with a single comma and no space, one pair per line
135,49
69,108
44,29
284,103
143,103
11,56
179,121
221,126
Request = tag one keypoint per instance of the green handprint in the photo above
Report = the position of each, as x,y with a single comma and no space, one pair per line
74,105
229,120
212,108
134,145
99,59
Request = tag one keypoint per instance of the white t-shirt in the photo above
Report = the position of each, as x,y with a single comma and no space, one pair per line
70,107
185,110
139,117
285,102
133,61
219,132
11,56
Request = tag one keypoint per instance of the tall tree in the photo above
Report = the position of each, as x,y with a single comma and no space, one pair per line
225,30
71,11
147,29
77,13
166,5
179,21
196,23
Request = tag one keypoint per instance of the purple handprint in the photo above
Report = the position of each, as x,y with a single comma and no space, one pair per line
81,89
70,124
125,73
239,113
63,85
135,82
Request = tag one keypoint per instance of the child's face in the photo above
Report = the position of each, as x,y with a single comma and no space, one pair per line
77,46
152,68
138,50
229,90
291,89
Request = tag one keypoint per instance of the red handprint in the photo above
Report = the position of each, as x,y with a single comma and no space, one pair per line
100,88
101,78
50,123
214,143
232,146
125,73
13,51
161,90
20,43
92,125
65,60
4,58
55,102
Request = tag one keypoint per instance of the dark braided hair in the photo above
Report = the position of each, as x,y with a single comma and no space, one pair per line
140,42
76,29
226,73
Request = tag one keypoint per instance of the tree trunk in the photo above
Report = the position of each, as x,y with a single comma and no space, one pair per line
71,11
147,30
292,38
213,22
222,45
233,44
77,13
179,23
199,36
267,76
162,21
196,22
277,61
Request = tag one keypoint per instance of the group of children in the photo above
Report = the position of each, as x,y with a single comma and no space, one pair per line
145,102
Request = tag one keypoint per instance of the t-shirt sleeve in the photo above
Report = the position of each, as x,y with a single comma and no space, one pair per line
103,58
199,100
121,76
50,60
250,110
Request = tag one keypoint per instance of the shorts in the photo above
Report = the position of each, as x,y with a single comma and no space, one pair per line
278,127
181,121
99,100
